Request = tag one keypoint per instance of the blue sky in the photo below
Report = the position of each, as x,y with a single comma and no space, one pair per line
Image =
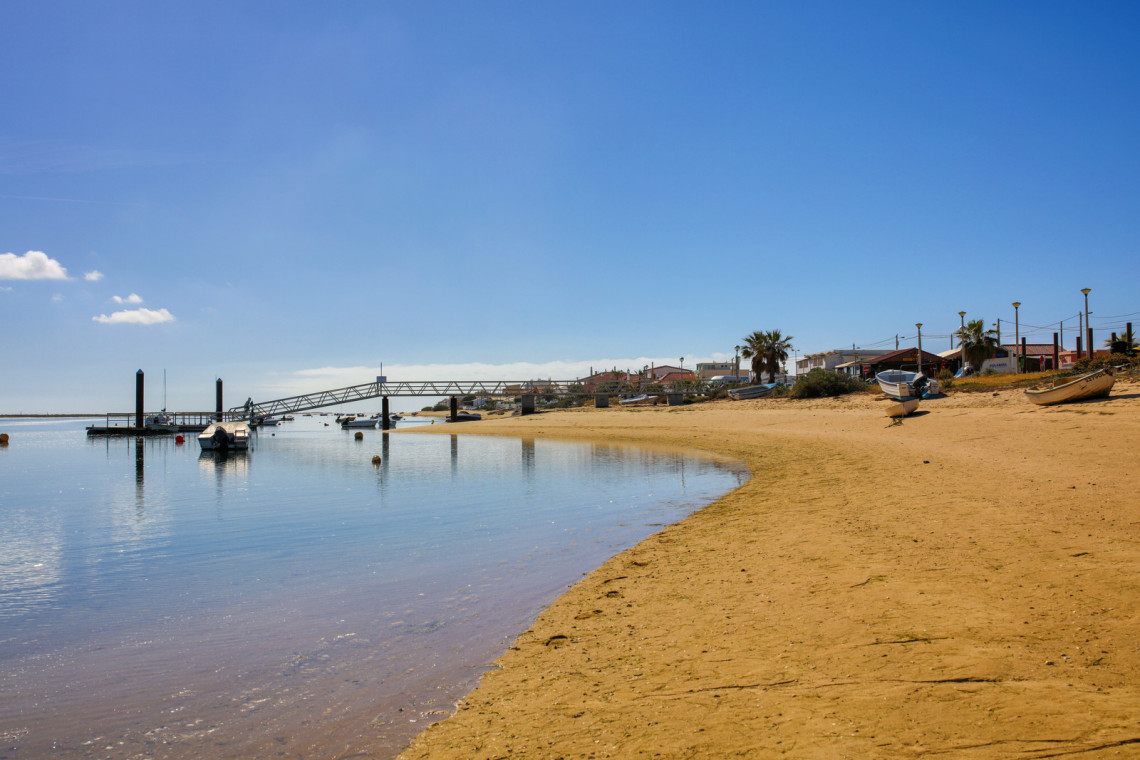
287,194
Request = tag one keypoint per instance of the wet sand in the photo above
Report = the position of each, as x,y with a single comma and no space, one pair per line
963,584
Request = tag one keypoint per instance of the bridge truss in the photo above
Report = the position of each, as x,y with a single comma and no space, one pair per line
437,388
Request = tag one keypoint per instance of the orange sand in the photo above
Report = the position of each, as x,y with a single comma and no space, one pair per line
963,584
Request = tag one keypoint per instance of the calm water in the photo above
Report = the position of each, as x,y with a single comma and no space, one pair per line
296,600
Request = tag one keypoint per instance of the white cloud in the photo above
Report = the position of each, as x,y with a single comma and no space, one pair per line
133,298
93,276
135,317
33,265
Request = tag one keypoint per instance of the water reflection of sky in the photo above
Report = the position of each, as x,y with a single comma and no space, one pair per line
111,544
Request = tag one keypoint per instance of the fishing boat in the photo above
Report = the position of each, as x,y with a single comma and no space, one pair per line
902,385
222,436
901,408
1093,385
752,391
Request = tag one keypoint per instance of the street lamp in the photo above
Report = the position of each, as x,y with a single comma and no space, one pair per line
1017,336
736,364
1088,327
961,343
919,326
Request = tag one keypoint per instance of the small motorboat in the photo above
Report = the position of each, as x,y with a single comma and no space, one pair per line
1093,385
225,436
270,421
359,422
902,385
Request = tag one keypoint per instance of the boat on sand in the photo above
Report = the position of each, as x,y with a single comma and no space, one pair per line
901,385
1093,385
901,408
752,391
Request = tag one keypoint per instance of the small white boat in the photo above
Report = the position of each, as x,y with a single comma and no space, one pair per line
270,421
752,391
635,399
901,408
222,436
1093,385
903,385
464,417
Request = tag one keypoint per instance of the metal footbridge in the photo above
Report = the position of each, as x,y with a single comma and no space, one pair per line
526,389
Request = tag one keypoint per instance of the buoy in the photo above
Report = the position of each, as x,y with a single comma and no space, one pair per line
3,439
376,459
179,439
359,436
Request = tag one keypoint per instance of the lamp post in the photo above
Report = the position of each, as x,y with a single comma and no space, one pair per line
736,364
1088,327
1017,336
961,344
919,326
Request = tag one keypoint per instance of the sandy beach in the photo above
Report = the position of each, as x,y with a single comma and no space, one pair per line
963,584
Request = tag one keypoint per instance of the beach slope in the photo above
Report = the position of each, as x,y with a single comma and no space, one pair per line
963,584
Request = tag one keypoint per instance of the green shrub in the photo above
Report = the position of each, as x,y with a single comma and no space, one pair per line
822,382
1107,360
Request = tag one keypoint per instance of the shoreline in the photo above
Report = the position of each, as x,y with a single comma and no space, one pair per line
963,582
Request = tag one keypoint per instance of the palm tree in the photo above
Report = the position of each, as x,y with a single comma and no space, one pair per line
978,343
767,349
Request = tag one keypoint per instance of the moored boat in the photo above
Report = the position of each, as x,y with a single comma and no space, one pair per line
1093,385
359,422
222,436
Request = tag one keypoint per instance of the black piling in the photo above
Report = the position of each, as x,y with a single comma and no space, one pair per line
218,398
139,399
454,408
385,423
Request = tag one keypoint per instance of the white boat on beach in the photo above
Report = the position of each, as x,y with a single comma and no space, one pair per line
902,385
222,436
752,391
1093,385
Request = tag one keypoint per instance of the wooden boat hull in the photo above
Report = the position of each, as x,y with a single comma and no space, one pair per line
1093,385
901,408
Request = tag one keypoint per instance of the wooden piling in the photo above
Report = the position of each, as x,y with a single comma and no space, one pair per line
139,382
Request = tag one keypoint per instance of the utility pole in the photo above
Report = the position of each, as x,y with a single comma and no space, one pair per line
1017,335
919,326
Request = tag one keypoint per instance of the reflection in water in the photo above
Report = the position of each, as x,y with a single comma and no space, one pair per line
158,605
528,457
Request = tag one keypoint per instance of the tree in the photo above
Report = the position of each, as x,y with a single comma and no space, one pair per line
1122,344
767,349
978,343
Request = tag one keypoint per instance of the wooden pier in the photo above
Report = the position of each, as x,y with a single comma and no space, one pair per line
123,424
